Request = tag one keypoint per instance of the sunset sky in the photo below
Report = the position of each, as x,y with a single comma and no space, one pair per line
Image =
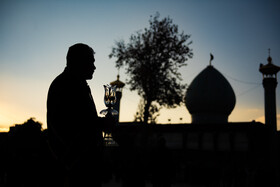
35,36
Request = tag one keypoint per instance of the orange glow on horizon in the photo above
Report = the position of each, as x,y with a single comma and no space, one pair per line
12,116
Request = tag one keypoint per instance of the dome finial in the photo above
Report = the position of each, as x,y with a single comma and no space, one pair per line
211,58
269,59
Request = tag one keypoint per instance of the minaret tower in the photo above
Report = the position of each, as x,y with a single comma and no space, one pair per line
119,86
269,72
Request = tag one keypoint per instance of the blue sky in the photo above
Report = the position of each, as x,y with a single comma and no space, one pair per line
35,36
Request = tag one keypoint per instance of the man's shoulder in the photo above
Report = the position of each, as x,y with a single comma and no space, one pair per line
66,82
59,83
60,79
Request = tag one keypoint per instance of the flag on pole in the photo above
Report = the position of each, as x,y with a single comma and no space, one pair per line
211,58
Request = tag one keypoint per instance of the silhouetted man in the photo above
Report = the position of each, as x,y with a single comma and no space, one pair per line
74,128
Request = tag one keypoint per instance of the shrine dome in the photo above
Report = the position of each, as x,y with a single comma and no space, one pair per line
210,98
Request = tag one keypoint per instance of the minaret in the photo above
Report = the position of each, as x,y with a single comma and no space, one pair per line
269,72
119,86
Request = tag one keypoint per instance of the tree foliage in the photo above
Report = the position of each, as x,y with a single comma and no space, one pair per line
152,115
152,59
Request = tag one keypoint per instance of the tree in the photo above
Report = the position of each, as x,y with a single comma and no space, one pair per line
153,112
153,59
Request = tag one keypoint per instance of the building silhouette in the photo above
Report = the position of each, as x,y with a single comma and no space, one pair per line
210,151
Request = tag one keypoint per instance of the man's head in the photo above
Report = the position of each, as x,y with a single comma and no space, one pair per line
80,59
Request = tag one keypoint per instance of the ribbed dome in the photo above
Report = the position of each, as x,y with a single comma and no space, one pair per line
210,98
